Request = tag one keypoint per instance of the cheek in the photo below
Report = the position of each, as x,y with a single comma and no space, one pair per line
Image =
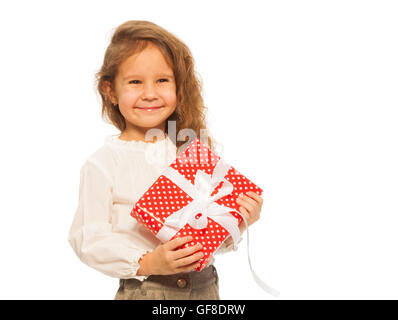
170,98
127,99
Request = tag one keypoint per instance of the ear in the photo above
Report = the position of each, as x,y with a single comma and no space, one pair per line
107,88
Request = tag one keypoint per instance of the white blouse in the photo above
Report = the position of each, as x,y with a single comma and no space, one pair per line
103,234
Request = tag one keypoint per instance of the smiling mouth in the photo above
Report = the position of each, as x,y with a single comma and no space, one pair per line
149,108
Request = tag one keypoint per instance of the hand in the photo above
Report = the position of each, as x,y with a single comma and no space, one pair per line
250,206
165,259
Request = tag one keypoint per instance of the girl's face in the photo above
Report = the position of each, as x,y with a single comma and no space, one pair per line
145,90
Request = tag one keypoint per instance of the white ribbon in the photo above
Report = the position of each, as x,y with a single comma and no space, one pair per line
202,203
205,204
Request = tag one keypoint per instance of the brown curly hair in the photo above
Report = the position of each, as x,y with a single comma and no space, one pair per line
132,37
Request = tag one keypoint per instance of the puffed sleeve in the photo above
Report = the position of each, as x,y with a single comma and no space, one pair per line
91,236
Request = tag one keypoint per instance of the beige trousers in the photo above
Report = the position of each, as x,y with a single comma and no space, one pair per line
202,285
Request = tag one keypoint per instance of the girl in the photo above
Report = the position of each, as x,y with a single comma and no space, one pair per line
147,84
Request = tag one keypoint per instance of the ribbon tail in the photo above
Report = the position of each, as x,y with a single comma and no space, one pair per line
235,235
256,278
222,216
229,223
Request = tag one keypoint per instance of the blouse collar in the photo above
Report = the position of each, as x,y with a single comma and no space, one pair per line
114,140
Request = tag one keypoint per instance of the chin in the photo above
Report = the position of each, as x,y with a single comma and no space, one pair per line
149,124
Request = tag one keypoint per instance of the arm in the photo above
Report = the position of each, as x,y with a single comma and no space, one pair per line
91,235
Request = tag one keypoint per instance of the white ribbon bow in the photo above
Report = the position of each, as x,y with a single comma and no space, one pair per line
202,203
205,204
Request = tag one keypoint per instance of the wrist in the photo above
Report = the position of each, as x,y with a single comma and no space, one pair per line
143,270
242,227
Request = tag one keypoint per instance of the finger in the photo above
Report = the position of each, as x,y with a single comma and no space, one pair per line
177,242
190,259
244,213
249,206
189,267
178,254
246,198
255,196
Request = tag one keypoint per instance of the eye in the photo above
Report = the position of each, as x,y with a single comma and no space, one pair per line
132,81
138,81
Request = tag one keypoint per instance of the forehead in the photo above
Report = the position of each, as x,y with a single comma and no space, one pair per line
150,61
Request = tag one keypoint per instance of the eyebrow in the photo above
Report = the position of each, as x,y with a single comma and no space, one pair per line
168,75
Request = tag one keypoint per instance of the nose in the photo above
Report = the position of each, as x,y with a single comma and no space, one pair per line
149,92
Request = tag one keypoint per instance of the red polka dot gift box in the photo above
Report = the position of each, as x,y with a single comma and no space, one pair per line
196,195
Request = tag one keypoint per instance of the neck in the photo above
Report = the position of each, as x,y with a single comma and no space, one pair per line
140,134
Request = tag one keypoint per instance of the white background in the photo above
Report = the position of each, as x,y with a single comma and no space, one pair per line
301,94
